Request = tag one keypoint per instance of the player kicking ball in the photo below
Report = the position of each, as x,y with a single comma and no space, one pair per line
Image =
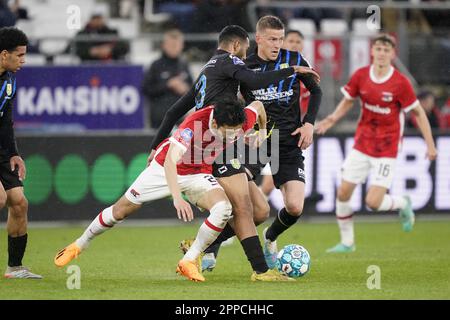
182,164
386,95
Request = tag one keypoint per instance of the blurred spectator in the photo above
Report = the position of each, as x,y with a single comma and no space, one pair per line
19,11
7,17
428,102
181,11
89,44
446,115
168,78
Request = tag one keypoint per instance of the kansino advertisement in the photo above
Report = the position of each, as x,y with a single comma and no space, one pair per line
79,98
75,183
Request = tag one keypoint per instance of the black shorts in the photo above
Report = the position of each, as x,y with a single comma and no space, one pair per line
290,170
9,179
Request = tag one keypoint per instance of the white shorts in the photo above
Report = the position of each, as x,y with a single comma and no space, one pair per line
151,185
357,167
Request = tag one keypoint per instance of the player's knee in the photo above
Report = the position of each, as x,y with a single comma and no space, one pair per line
261,212
20,206
294,208
220,213
373,202
343,195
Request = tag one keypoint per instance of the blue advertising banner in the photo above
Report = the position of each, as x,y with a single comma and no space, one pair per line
79,98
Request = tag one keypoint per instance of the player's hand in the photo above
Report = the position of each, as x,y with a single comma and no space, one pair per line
432,153
17,161
307,70
323,126
150,157
306,135
184,210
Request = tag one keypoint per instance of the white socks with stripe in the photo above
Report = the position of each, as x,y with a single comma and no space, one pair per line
344,217
219,215
104,221
390,203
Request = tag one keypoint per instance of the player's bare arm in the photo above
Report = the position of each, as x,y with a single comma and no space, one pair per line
184,210
342,109
425,129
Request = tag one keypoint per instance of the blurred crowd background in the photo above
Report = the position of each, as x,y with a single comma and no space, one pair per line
171,39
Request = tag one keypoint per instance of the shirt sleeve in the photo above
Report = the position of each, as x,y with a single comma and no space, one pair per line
351,89
407,97
7,137
182,137
315,97
235,68
251,116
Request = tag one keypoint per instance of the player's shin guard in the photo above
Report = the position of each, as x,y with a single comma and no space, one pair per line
344,216
16,250
104,221
219,215
390,203
282,222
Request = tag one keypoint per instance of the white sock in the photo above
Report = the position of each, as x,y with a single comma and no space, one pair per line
104,221
344,216
276,199
219,215
390,203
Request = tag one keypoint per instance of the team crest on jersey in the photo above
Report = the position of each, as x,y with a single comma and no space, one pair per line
284,65
235,163
9,89
187,134
236,60
387,96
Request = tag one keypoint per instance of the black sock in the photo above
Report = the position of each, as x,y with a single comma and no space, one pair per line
282,222
253,251
226,234
16,250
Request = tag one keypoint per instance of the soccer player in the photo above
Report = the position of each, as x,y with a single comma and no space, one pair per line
281,101
182,163
13,48
386,95
220,78
293,41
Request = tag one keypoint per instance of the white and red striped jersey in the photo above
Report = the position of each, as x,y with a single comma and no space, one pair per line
384,103
199,142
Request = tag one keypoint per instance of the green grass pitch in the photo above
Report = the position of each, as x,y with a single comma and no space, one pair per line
139,263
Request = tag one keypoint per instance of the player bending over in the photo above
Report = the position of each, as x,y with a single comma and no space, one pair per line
182,164
385,95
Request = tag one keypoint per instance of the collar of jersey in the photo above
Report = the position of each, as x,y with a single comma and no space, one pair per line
382,80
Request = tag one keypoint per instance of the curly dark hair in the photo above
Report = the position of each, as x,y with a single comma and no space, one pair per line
11,38
229,112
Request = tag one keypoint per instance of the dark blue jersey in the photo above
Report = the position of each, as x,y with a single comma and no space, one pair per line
282,99
8,147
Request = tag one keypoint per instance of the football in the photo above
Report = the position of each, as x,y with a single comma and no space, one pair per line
293,260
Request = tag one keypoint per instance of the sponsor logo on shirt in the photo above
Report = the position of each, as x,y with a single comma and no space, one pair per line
377,109
268,94
284,65
387,96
